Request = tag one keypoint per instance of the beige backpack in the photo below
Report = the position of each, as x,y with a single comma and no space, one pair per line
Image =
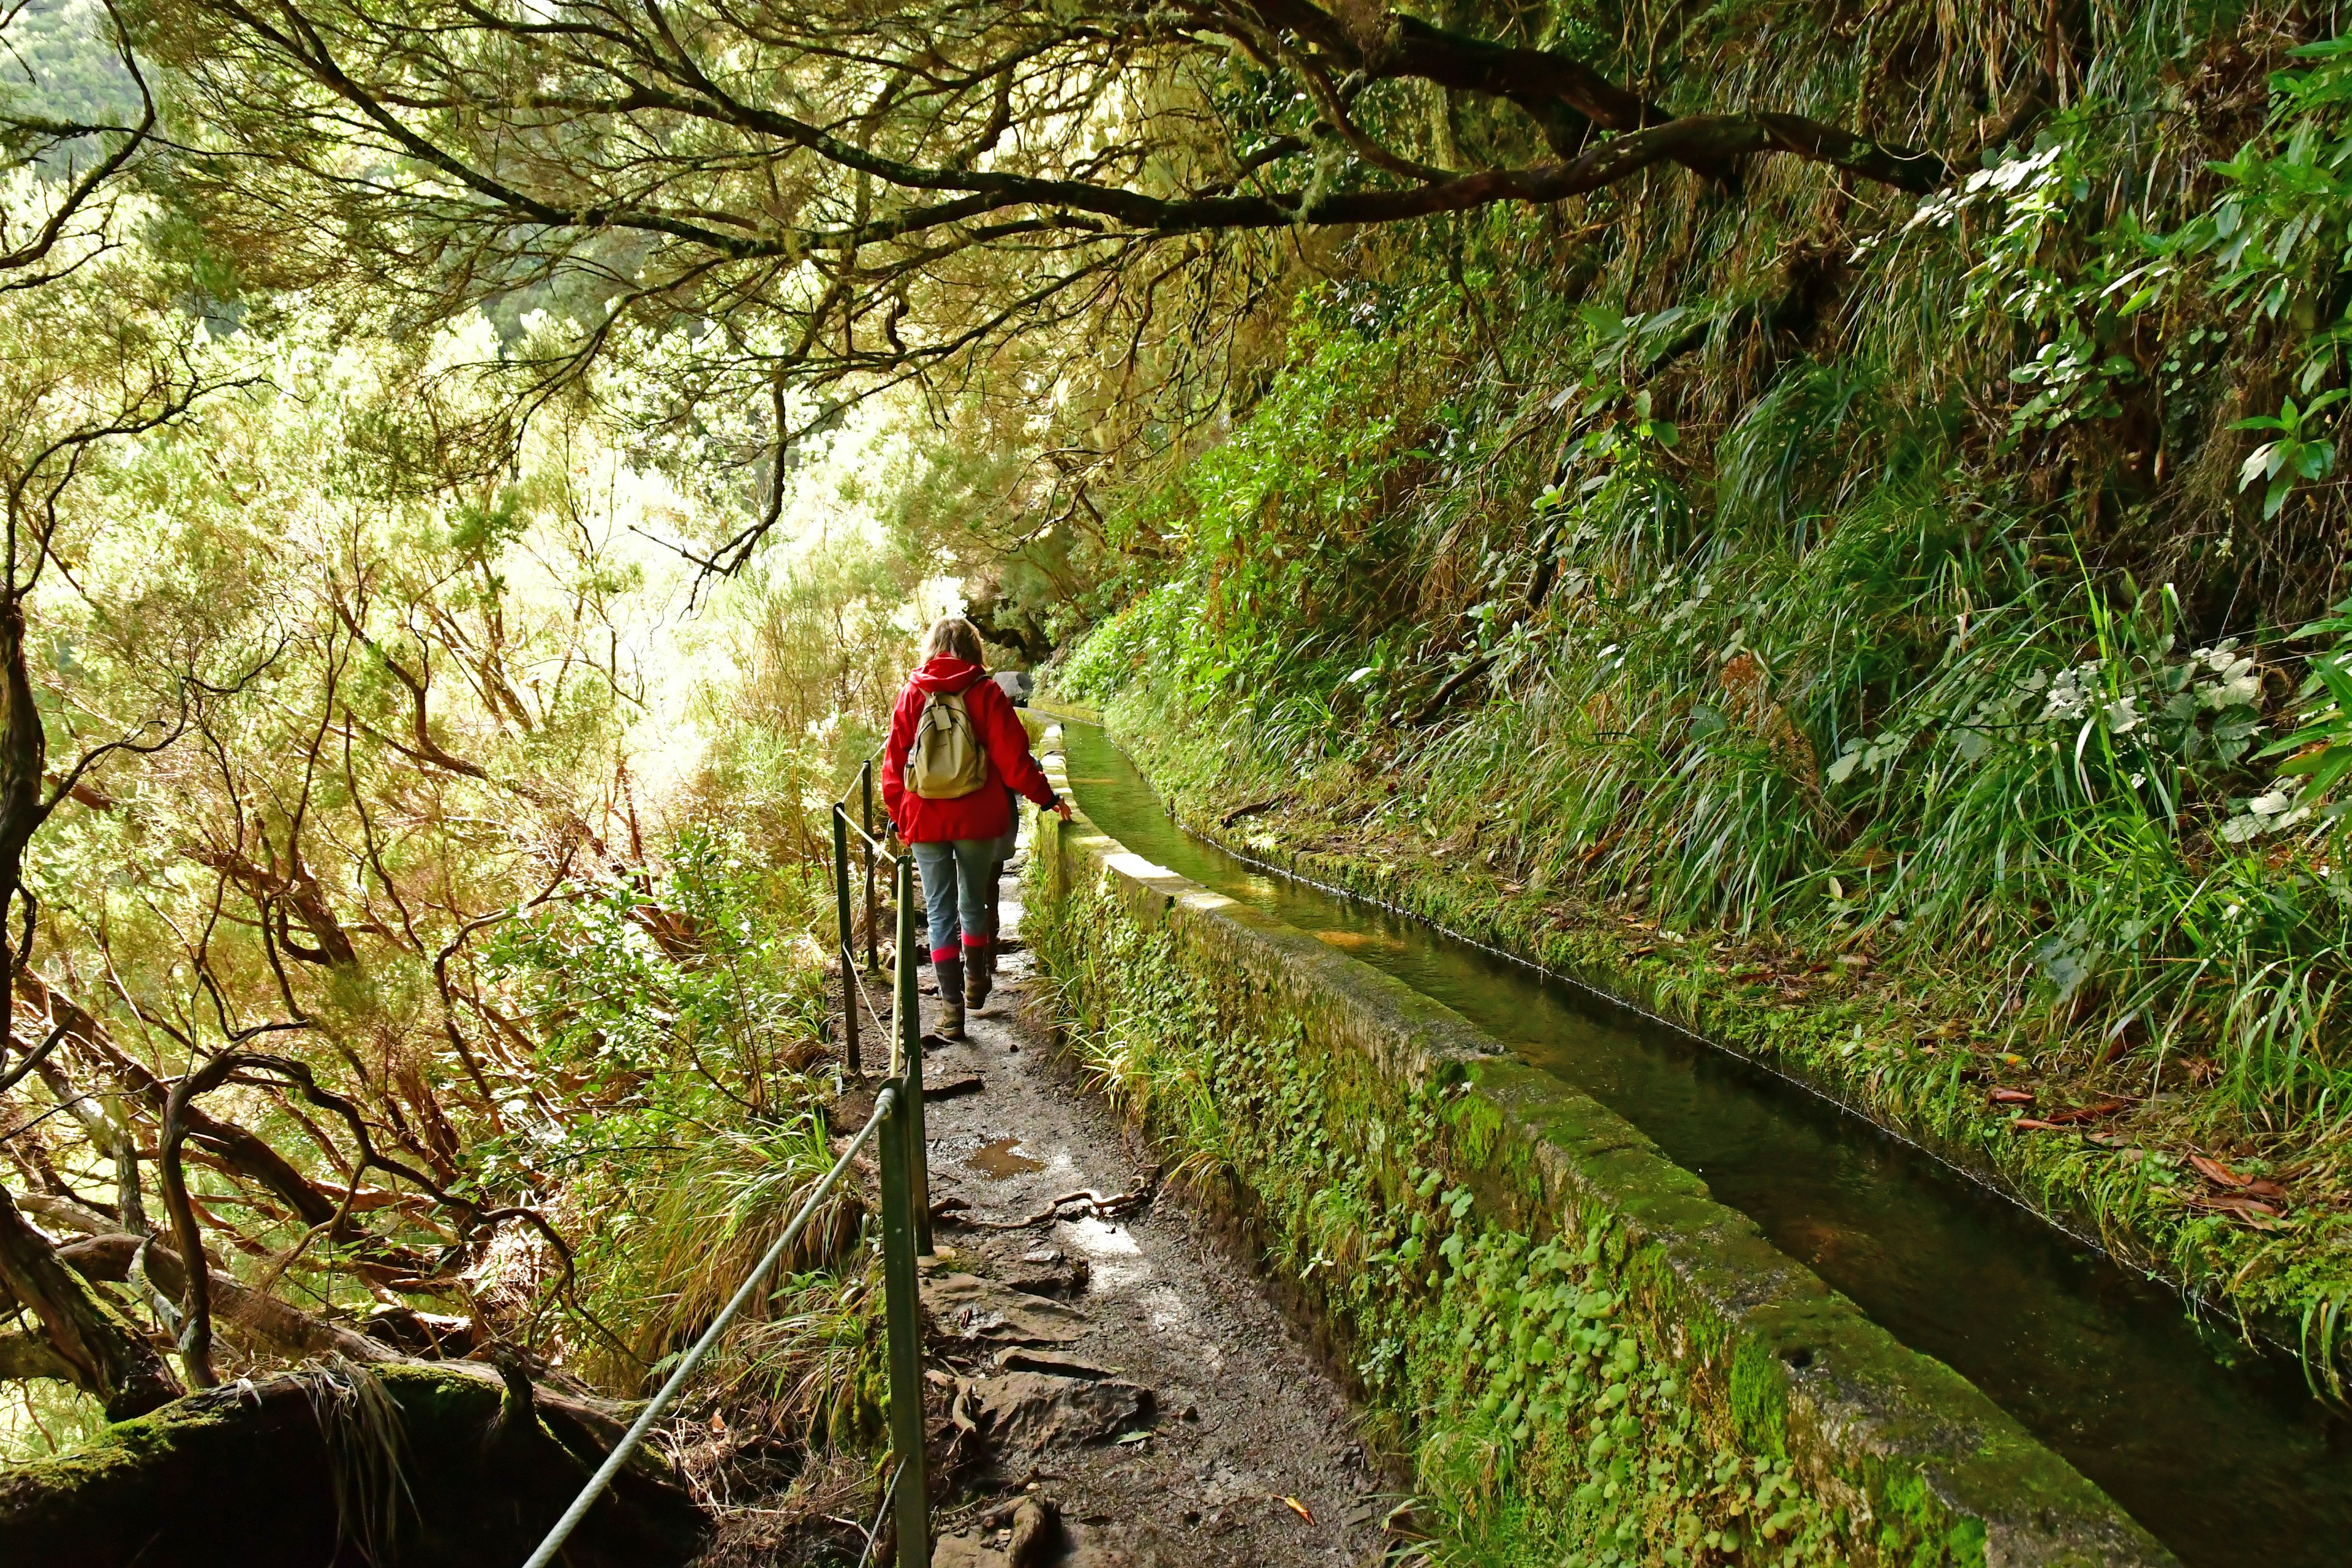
946,760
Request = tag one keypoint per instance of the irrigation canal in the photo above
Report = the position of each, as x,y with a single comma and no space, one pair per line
2221,1452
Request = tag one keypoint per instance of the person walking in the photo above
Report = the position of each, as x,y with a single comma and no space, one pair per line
957,756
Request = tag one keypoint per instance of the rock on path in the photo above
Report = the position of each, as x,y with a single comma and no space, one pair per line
1129,1371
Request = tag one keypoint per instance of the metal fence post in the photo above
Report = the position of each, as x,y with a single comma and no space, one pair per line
866,789
902,1302
910,1042
851,1058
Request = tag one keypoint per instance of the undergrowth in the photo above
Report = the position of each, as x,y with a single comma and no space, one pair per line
687,1010
1938,593
1889,1040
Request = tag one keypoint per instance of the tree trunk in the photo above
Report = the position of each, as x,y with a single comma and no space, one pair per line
340,1467
107,1356
254,1316
242,1151
24,751
22,1357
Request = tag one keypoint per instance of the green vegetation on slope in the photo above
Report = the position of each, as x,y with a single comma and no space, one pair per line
1805,584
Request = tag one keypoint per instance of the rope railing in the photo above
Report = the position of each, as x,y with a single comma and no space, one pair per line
897,1120
880,846
659,1405
872,852
864,997
875,1534
906,1029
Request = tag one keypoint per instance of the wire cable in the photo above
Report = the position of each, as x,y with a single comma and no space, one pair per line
660,1404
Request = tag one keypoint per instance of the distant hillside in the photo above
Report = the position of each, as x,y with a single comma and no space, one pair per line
60,64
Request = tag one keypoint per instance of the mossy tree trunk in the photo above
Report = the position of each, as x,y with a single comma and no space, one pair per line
103,1354
449,1466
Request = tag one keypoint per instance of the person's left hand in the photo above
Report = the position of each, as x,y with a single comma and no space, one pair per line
1062,809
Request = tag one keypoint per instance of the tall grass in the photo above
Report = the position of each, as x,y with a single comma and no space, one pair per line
1848,637
798,1367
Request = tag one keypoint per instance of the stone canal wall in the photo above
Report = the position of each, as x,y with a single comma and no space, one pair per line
1586,1358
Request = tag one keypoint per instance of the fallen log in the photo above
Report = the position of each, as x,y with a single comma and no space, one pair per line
104,1353
399,1465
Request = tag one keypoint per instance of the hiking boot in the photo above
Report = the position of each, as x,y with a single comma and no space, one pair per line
979,976
950,972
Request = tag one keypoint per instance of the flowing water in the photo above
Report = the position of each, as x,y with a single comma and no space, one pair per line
2220,1451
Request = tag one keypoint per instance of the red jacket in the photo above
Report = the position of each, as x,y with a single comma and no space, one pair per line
986,812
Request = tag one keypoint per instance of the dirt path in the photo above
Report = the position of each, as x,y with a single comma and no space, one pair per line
1132,1369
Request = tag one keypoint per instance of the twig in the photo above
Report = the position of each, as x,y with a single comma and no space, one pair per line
1103,1208
1445,693
1250,810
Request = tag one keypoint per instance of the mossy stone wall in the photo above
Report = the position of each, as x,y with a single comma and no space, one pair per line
1590,1360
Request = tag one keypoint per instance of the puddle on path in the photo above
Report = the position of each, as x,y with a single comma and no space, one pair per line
1000,1160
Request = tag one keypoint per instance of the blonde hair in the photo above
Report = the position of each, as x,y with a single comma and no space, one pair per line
954,635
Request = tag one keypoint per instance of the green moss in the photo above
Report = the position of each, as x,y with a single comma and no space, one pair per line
431,1399
1914,1515
1758,1393
1562,1398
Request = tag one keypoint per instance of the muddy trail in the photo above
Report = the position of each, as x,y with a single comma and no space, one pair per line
1099,1342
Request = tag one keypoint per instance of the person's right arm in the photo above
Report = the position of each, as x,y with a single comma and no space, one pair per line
1007,739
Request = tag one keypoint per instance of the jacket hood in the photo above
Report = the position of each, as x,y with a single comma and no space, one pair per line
950,674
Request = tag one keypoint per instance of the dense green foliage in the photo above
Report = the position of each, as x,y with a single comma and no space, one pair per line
467,503
1559,1404
393,756
1887,1040
1944,584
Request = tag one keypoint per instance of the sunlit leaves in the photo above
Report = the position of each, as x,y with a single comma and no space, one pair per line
2296,451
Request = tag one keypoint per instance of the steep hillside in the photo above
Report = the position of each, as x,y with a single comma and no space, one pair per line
1893,632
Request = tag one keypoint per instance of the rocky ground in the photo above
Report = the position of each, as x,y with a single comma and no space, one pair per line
1103,1349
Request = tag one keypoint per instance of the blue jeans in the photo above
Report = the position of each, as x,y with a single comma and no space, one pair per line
956,878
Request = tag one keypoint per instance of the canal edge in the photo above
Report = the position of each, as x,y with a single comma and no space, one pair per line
1904,1449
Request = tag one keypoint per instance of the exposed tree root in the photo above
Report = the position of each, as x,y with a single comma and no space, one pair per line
1086,1200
